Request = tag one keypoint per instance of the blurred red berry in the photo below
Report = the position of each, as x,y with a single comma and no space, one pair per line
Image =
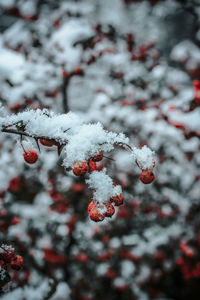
17,262
15,221
14,184
7,255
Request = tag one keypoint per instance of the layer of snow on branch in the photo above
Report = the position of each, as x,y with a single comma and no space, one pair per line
82,140
88,141
144,157
103,186
44,123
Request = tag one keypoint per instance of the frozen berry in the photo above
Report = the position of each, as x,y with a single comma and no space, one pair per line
110,210
147,176
95,215
91,205
7,256
17,262
118,200
80,168
98,157
46,143
92,165
30,156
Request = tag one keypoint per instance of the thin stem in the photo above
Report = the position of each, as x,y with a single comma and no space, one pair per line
22,144
7,251
64,88
109,158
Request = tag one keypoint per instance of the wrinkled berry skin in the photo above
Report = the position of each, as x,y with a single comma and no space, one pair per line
80,168
98,157
92,165
118,200
17,262
30,156
95,215
110,210
147,176
91,205
46,143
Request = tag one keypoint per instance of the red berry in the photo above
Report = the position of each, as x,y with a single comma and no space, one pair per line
17,262
91,205
80,168
92,165
7,256
15,221
97,157
147,176
118,200
64,73
14,184
3,266
46,143
99,167
78,71
196,84
78,187
110,210
30,156
95,215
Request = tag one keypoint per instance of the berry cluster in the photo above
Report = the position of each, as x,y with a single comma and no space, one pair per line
8,260
80,157
97,212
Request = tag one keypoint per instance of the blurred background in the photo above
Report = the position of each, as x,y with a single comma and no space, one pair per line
134,66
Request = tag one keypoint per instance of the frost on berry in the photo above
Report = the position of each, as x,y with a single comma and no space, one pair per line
104,190
92,165
80,168
103,186
97,157
110,210
96,215
6,253
30,156
118,200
